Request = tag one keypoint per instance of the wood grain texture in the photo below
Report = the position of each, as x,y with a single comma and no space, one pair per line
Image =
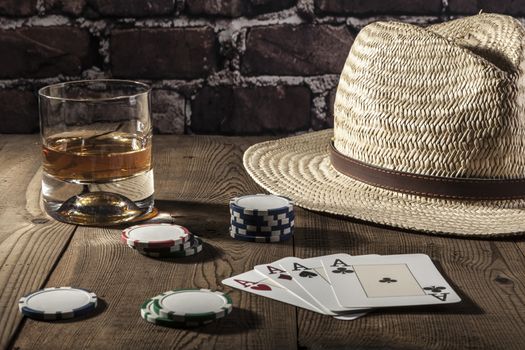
194,178
489,275
97,260
30,243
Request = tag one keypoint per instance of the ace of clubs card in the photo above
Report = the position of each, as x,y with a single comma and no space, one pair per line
383,281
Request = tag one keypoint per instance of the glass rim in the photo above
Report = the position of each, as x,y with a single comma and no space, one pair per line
135,83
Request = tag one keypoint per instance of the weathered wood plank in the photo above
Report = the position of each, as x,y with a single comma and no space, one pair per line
194,179
30,244
191,175
489,274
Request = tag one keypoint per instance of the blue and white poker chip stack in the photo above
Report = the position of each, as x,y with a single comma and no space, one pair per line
262,218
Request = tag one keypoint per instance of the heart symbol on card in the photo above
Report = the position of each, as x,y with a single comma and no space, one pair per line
285,277
307,274
261,286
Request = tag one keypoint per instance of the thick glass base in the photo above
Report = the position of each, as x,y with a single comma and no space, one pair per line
99,204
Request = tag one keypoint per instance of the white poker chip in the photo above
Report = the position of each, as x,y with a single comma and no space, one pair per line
58,303
155,235
261,204
195,305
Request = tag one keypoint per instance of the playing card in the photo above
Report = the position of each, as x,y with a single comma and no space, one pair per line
254,282
383,281
310,276
277,274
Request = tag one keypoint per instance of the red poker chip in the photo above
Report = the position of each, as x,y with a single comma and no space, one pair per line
155,235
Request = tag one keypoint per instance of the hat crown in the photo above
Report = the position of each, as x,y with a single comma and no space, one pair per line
446,100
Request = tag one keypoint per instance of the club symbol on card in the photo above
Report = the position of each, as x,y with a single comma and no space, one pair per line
307,274
435,289
261,286
437,292
285,277
387,280
342,270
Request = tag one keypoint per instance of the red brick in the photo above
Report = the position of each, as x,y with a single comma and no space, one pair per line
296,50
132,8
264,6
69,7
466,7
253,110
18,7
44,52
236,8
372,7
18,111
162,53
227,8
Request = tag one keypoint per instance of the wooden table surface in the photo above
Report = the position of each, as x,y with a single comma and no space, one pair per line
194,178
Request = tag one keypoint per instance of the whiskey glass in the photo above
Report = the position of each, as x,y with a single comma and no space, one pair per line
96,147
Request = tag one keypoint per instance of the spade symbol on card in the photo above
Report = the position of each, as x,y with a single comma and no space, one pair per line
307,274
342,270
261,286
285,277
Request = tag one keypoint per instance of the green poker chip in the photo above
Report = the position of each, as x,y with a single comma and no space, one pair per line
148,314
192,305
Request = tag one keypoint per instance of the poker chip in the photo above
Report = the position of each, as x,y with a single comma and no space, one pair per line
262,218
242,231
261,239
279,222
58,303
261,204
156,235
148,314
259,228
174,248
192,305
194,249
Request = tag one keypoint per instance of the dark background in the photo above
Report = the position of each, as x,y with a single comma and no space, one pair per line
217,66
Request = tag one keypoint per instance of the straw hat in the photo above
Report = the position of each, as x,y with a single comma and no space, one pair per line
429,132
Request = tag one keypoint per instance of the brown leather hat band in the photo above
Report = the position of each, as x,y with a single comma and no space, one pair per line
426,185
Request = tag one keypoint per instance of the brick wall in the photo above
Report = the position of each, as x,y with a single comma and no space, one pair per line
217,66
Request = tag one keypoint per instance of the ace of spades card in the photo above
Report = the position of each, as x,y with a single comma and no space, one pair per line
386,281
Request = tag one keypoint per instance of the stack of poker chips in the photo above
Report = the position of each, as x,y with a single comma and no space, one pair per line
162,240
262,218
58,303
186,307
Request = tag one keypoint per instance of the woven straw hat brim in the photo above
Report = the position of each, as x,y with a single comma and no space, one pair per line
299,168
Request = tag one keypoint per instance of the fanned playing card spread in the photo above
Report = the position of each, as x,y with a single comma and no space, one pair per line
347,287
